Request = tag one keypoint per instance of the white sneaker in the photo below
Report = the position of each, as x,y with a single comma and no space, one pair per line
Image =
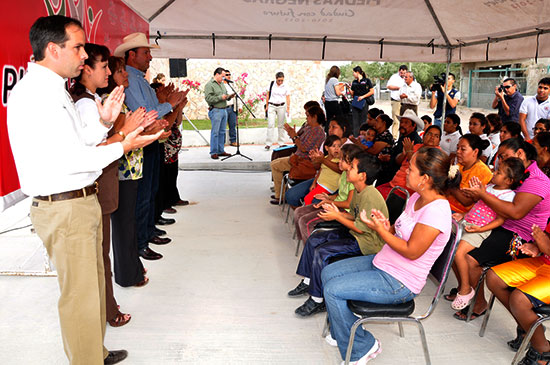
373,352
331,341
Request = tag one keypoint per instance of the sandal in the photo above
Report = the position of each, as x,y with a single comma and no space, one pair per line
144,282
462,314
452,295
462,301
532,357
120,319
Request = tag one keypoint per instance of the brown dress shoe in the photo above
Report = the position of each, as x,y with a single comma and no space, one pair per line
224,154
214,156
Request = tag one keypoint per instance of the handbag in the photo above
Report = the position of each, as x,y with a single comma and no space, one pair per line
301,168
358,104
370,100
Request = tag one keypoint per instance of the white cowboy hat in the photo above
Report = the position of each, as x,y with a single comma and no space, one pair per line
131,41
409,114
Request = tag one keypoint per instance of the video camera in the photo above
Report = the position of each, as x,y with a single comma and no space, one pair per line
439,80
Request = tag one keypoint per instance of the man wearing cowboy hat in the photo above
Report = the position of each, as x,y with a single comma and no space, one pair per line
136,51
409,123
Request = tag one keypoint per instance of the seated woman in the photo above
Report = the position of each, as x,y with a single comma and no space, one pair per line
299,162
451,134
510,130
432,136
531,279
372,114
480,220
383,141
541,142
355,239
338,126
399,271
542,125
495,124
306,217
531,205
468,155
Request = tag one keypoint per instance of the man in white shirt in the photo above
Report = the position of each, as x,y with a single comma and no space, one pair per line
58,160
535,107
410,94
277,106
395,83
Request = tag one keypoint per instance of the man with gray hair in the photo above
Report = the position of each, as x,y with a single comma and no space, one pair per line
410,94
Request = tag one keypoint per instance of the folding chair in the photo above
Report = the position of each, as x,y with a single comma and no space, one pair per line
544,315
396,201
372,312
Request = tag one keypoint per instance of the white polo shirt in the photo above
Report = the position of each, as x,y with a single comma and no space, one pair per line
396,80
534,111
449,142
278,93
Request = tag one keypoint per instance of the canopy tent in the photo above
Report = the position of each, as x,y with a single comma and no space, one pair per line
376,30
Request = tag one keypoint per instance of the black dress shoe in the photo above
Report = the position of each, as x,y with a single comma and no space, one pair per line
310,307
115,357
149,254
182,202
275,202
301,289
165,221
160,241
159,232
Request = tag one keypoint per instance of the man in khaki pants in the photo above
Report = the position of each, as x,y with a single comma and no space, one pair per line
58,160
395,83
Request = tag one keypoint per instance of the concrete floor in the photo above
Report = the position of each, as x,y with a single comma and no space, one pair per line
219,294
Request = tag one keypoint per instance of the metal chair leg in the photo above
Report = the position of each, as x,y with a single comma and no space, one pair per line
351,339
297,247
527,340
326,328
480,282
401,332
486,317
424,342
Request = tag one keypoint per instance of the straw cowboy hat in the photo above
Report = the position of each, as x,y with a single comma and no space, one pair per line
131,41
409,114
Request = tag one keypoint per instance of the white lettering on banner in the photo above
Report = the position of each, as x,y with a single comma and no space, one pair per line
10,77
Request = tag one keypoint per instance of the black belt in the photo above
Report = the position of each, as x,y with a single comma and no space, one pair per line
395,100
281,104
215,107
73,194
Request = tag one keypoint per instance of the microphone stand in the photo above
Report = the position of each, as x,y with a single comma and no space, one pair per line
237,98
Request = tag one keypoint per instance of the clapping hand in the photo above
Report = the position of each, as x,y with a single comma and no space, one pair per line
316,156
472,228
408,145
290,130
377,220
330,212
476,188
111,107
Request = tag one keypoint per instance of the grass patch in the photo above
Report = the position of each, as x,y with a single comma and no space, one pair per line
204,124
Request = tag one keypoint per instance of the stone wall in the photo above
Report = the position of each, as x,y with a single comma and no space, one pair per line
306,80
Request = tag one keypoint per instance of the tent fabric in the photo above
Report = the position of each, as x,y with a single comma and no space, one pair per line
376,30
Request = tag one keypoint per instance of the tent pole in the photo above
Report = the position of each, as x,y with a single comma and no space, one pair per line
449,57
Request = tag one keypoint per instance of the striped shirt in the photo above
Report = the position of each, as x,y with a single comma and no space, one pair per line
537,184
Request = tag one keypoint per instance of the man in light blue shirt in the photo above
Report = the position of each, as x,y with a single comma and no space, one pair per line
136,51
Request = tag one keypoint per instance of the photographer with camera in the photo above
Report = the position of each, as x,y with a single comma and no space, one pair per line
437,100
507,100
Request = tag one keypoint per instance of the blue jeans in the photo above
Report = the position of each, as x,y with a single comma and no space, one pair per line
218,119
298,192
437,121
357,279
232,122
319,249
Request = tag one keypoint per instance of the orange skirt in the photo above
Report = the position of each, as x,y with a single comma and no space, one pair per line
530,275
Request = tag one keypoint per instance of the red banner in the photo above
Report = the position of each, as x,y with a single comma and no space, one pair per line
104,21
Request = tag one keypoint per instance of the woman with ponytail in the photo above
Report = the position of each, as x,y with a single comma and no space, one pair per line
399,271
531,206
361,89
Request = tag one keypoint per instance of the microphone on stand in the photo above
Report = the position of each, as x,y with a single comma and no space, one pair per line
228,81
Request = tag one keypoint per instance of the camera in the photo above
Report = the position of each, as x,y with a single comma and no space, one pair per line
439,80
501,89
